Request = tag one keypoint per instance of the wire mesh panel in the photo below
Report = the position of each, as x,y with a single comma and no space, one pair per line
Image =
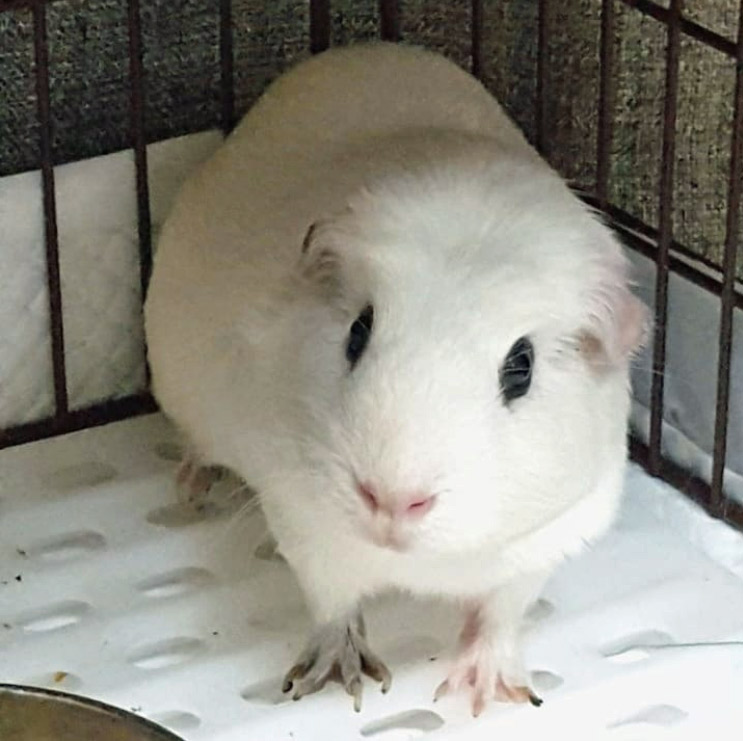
639,104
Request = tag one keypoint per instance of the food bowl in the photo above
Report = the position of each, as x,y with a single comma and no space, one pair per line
35,714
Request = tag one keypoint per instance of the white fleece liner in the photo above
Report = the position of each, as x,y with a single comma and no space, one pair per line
123,601
99,273
690,392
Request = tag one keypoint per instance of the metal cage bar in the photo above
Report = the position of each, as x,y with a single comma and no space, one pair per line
319,25
56,329
226,66
732,229
79,419
692,486
476,32
139,143
690,28
606,103
665,234
389,20
643,239
541,113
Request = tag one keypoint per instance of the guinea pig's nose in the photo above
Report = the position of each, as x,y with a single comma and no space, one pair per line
396,504
419,505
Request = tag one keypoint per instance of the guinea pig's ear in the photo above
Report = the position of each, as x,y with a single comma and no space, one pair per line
319,262
618,323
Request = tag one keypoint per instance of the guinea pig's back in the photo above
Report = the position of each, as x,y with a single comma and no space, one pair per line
349,92
249,206
276,172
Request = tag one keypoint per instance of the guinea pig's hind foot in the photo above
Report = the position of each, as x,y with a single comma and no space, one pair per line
338,651
194,480
489,665
485,684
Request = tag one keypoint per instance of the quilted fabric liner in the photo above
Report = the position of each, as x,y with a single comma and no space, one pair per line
99,265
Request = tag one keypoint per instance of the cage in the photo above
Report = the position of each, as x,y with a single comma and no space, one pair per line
110,590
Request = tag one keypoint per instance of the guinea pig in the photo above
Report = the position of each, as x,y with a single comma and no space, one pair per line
382,309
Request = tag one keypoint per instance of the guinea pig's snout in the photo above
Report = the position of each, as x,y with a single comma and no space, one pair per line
398,506
391,516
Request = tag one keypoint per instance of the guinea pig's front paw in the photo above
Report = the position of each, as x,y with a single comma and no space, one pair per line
337,651
490,666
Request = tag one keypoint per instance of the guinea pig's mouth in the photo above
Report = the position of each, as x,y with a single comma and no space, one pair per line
390,540
385,533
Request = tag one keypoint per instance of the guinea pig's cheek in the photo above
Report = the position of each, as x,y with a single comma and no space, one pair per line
475,520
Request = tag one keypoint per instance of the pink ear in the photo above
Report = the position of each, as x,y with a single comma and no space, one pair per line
619,322
633,323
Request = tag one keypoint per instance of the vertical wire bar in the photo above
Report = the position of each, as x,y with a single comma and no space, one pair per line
476,22
319,25
543,144
41,53
605,132
728,283
389,20
226,65
665,235
136,110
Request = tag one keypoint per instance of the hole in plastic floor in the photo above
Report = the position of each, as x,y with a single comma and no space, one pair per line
633,647
80,476
166,653
54,617
174,583
638,732
540,610
67,547
266,692
545,681
179,514
268,550
177,720
418,721
167,450
654,715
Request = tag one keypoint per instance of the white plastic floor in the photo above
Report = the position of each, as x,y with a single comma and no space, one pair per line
110,590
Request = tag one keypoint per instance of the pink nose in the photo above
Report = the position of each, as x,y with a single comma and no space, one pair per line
395,504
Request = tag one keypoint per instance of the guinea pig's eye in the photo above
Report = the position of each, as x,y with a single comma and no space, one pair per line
515,373
359,334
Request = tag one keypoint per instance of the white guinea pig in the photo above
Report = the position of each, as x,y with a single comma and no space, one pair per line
382,309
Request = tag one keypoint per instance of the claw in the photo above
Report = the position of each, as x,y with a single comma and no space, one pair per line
478,704
375,669
338,652
386,681
298,671
355,688
516,694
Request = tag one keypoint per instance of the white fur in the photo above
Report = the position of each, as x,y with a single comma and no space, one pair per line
434,208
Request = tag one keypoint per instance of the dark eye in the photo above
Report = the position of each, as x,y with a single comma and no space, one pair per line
359,334
515,373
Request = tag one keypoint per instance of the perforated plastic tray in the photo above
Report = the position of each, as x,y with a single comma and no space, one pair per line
108,589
